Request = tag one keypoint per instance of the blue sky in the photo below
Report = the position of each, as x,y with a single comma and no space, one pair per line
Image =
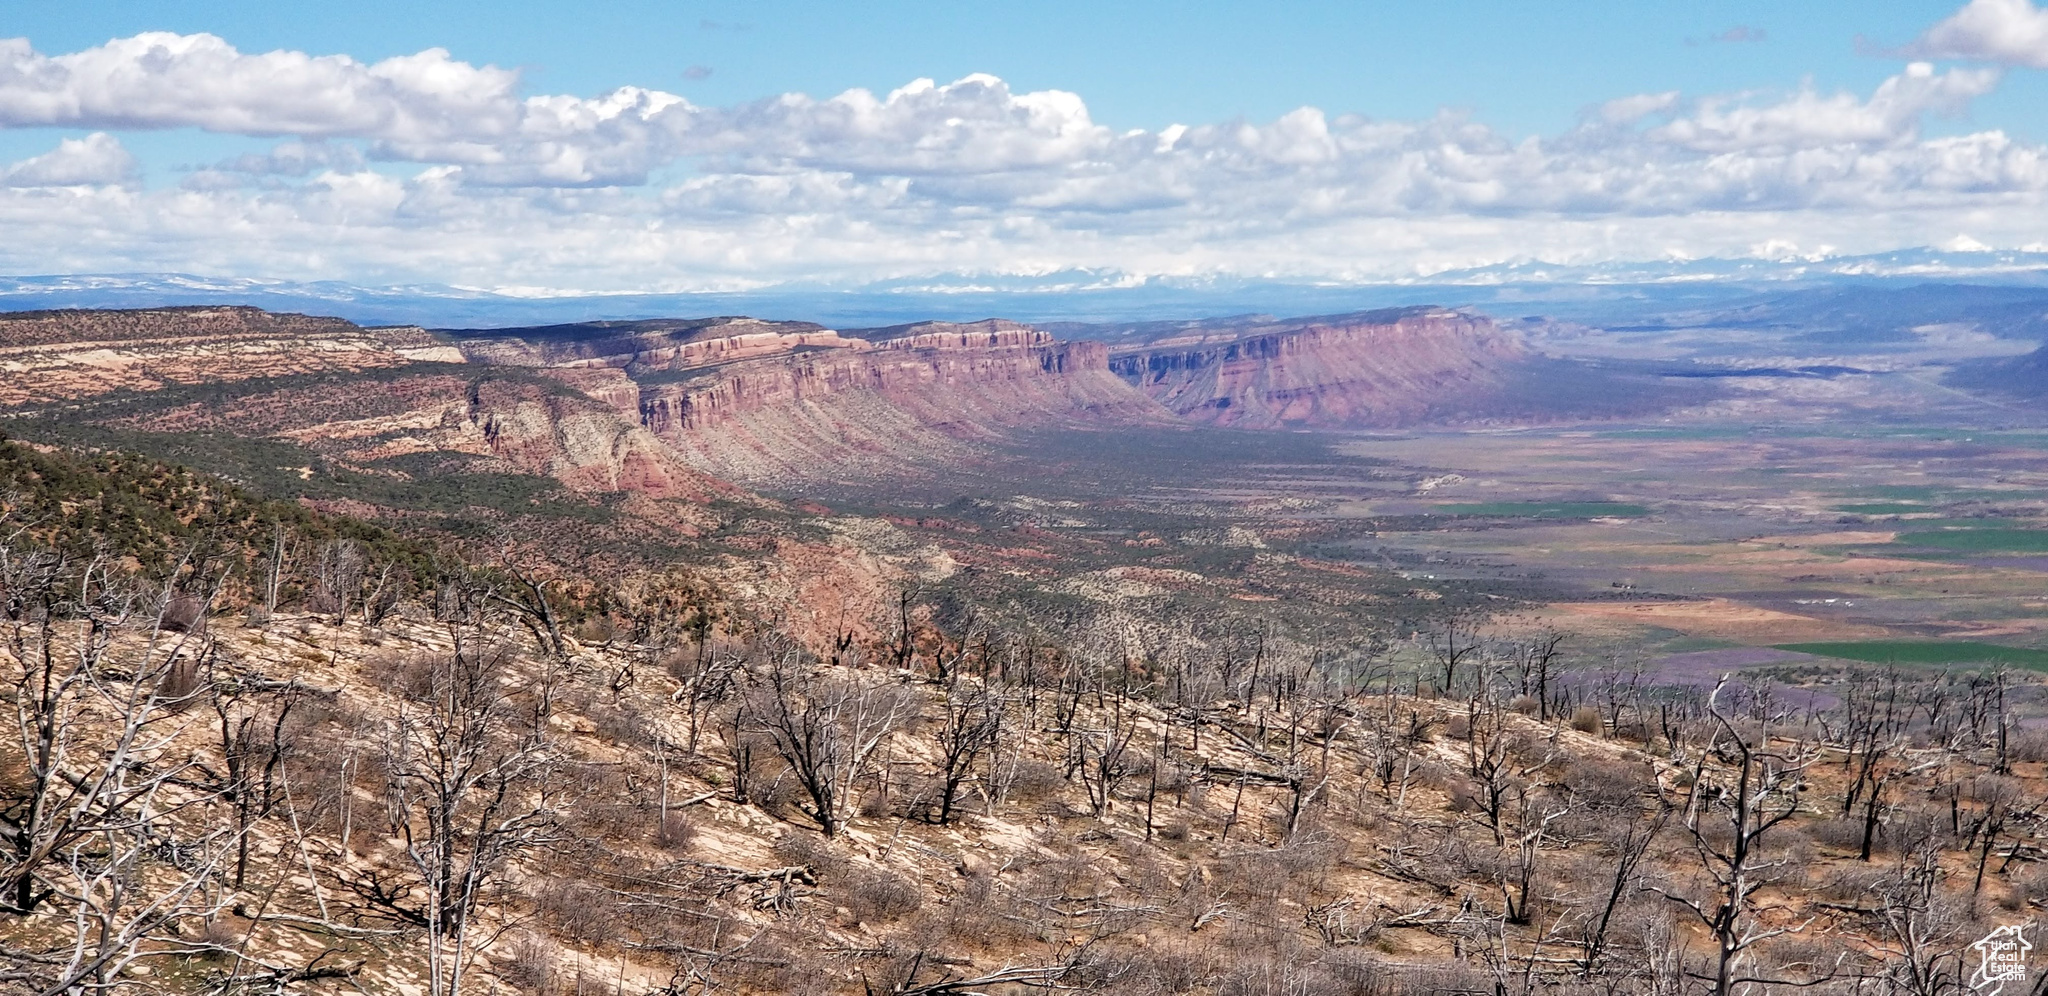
1439,135
1523,67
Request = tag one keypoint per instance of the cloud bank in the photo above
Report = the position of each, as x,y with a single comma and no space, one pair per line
424,167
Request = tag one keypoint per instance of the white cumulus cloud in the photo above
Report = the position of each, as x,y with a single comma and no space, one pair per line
423,107
556,190
973,125
164,80
2014,32
1890,116
94,160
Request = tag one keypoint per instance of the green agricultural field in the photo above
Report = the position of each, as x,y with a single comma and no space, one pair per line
1882,508
1925,653
1547,510
1706,432
1898,492
1984,540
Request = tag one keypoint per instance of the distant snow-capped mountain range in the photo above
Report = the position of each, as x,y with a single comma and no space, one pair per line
1533,286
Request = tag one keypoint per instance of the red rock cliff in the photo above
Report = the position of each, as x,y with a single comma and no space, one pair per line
908,400
1374,369
764,401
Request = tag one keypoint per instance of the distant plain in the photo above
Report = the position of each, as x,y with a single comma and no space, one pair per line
1867,512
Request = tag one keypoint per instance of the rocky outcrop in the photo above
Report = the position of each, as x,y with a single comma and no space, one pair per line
586,446
1347,371
973,380
514,421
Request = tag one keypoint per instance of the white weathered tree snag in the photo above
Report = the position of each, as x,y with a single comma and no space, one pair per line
1728,817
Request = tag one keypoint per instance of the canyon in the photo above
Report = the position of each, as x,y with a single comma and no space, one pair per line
760,402
614,445
666,407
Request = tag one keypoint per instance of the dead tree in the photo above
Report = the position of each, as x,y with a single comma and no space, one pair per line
703,679
1533,815
1314,718
973,723
529,597
252,745
1453,642
273,570
1994,800
1102,757
1627,842
825,727
1537,658
470,787
1728,815
1500,779
1920,929
102,838
1391,747
1873,734
339,574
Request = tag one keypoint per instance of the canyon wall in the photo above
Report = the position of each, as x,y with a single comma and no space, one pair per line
663,406
641,347
762,402
1347,371
587,446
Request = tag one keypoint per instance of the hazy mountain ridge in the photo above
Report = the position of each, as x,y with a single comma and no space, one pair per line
1075,295
2019,377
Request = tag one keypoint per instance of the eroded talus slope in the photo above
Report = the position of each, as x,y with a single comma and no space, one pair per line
1370,369
60,355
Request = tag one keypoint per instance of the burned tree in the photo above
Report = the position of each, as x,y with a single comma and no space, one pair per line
1728,816
102,836
469,786
825,727
973,723
1453,641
